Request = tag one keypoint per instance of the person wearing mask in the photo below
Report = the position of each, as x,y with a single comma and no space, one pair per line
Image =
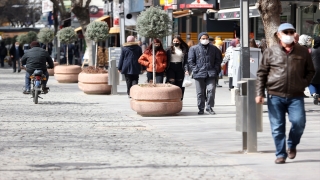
205,60
285,70
128,63
228,58
146,60
314,86
16,52
305,40
177,68
36,59
3,53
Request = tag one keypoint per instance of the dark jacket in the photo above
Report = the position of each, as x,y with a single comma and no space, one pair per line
3,51
204,62
315,54
13,52
185,65
36,58
284,75
130,53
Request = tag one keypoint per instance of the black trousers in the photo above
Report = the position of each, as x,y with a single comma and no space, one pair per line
159,77
131,79
14,65
175,75
2,60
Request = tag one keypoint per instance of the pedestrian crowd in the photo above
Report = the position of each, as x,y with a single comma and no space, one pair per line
285,70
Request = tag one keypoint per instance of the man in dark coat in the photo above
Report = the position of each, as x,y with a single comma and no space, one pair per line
204,60
3,53
36,59
128,64
16,52
314,86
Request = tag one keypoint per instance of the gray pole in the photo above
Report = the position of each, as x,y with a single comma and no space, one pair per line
169,37
251,116
245,49
188,28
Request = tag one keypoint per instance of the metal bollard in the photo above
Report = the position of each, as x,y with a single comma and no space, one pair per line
248,114
113,78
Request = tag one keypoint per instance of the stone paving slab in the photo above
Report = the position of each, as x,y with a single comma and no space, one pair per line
70,135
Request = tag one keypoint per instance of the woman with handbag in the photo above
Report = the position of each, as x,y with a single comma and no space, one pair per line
177,68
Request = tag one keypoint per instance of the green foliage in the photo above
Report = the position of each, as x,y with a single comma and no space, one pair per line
32,36
97,31
154,23
67,35
46,35
22,39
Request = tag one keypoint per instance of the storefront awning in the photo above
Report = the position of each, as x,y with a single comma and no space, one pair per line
179,14
229,14
103,18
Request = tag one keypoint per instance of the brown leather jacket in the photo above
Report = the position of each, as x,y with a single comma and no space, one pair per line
284,75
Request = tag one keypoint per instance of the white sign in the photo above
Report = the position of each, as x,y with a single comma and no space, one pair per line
47,6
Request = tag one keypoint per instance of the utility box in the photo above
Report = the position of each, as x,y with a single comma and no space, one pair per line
255,57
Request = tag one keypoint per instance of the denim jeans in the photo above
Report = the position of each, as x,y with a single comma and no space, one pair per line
314,88
28,81
277,108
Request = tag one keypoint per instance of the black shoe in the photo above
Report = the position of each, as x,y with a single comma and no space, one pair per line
201,112
19,71
316,99
45,90
26,92
210,111
218,85
14,71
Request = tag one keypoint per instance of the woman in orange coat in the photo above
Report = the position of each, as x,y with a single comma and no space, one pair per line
161,61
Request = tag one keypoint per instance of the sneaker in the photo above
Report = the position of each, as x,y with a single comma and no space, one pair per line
218,85
316,99
26,92
201,112
210,111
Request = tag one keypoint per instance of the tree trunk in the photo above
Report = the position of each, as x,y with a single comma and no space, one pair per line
153,63
67,55
270,11
81,11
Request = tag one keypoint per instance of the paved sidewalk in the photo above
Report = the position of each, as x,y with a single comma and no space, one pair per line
71,135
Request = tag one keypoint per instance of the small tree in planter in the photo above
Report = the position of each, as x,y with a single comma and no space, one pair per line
46,36
94,80
68,73
155,99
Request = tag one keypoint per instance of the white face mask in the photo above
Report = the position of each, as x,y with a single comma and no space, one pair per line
204,41
287,39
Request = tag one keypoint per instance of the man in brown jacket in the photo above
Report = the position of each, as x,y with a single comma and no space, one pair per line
285,70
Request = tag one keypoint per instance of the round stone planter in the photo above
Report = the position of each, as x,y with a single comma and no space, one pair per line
94,83
67,74
51,71
159,100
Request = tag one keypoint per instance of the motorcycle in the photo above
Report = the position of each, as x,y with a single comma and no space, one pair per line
37,79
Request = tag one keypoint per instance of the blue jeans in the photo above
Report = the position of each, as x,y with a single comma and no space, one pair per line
28,81
278,107
314,88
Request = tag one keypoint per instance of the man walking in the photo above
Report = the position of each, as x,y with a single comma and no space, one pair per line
16,52
204,60
285,70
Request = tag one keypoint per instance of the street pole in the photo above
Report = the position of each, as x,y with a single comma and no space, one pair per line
245,49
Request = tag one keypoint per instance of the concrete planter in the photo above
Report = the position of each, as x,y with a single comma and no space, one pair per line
160,100
67,74
94,83
51,71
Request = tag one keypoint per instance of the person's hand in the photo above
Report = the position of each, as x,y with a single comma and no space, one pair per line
11,56
259,100
186,73
119,71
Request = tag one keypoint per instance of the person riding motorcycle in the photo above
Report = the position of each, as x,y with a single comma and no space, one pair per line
36,58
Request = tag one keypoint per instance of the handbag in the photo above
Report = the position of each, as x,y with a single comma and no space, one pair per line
186,81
